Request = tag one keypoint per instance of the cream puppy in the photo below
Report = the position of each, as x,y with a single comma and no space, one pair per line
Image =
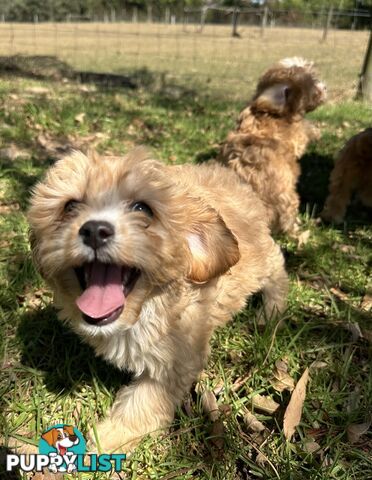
145,261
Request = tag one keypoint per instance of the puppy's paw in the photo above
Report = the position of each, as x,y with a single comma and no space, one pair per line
111,436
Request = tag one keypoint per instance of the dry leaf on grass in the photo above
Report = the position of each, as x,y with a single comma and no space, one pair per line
252,423
367,334
210,406
37,90
219,387
303,238
12,152
282,380
340,295
80,117
239,382
318,365
266,404
356,430
354,329
46,475
217,433
367,300
187,405
9,208
293,412
312,447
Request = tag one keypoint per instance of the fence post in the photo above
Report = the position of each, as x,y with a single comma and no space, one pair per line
135,15
167,15
365,80
327,24
264,20
149,13
202,18
235,19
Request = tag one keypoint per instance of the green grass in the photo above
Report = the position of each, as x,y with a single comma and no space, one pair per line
49,375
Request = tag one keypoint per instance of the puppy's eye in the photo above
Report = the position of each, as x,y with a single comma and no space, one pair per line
70,206
142,207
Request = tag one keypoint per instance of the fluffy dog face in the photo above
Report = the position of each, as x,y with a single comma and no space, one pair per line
289,88
109,233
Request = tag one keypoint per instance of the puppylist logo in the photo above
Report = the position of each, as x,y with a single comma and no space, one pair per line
62,448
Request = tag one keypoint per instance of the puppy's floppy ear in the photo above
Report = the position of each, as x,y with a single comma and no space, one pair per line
272,99
214,248
50,437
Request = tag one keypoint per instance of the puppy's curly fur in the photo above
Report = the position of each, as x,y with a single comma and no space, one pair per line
352,173
272,135
195,243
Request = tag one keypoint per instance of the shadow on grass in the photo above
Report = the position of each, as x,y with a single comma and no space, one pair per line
3,473
51,347
45,67
14,171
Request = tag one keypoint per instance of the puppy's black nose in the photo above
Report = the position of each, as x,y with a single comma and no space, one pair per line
96,234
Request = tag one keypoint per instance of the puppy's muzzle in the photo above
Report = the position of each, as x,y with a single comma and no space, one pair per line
96,234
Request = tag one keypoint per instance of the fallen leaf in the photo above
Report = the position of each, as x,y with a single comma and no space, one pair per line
303,238
11,207
318,364
337,293
187,405
282,380
293,413
345,248
87,88
356,430
266,404
252,423
37,90
52,146
225,409
367,300
261,459
219,387
12,152
52,476
367,334
239,382
80,117
312,447
355,331
217,434
209,404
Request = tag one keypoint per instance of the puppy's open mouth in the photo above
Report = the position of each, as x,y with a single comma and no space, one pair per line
105,290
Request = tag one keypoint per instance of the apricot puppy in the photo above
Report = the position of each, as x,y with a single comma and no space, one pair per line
145,261
272,135
352,173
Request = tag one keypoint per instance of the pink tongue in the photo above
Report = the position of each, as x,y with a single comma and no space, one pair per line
104,293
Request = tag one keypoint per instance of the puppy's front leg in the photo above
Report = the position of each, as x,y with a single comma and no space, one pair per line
139,409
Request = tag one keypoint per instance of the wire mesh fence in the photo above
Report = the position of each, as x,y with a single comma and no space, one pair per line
209,48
